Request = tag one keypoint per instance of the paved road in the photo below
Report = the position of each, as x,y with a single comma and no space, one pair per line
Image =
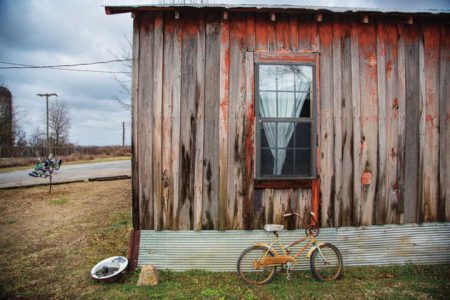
69,172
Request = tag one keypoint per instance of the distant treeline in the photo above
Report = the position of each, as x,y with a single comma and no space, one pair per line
38,151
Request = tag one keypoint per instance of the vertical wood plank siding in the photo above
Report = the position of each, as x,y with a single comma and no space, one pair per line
384,117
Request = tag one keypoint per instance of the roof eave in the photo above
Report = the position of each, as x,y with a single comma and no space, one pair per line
111,10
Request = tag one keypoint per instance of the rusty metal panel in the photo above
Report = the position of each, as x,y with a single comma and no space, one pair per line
372,245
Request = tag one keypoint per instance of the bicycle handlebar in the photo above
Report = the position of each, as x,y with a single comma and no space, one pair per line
311,229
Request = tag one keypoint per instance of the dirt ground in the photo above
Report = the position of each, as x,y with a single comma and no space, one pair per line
49,242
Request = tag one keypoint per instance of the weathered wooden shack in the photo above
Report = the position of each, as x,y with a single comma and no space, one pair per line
243,113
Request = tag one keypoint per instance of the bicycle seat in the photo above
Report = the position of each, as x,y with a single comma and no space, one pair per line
273,227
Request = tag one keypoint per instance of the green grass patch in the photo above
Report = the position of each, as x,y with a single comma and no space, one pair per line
8,222
59,201
396,282
119,221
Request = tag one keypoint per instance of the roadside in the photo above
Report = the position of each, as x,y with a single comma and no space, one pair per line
68,173
87,160
49,243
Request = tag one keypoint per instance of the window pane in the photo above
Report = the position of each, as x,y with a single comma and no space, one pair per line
288,165
269,134
304,104
286,105
267,162
267,78
303,135
303,162
286,77
285,133
303,78
268,104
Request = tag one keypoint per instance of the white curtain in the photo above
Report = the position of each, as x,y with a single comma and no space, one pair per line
287,108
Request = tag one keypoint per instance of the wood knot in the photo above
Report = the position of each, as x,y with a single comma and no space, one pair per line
366,178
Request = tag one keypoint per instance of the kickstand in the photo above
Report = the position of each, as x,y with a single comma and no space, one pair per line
288,272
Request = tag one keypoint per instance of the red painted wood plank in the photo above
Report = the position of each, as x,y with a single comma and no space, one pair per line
304,32
167,107
326,114
223,121
261,33
383,123
249,128
293,32
157,118
369,119
392,104
145,123
176,121
282,33
412,96
356,107
338,119
431,43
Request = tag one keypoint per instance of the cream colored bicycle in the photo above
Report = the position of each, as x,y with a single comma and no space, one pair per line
257,264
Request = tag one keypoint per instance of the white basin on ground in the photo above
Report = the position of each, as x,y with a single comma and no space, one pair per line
109,268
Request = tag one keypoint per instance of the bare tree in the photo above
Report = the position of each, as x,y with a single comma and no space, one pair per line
123,97
37,138
60,122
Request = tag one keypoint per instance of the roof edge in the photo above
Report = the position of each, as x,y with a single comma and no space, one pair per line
118,9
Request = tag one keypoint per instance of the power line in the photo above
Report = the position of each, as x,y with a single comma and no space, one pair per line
78,70
23,66
66,69
56,67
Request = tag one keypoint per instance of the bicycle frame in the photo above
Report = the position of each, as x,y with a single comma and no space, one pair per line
277,259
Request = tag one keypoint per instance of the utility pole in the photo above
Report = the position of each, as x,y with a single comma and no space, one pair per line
47,95
123,133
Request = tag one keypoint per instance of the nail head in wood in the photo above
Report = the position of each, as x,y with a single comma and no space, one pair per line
410,20
272,17
319,17
177,15
365,19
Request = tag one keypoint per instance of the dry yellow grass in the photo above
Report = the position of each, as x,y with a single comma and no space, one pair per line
49,242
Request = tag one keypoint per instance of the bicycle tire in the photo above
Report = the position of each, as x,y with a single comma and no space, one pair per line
331,268
245,262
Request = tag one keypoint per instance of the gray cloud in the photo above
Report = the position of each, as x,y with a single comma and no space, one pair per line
64,32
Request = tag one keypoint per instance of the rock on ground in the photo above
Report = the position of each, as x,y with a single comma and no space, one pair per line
149,276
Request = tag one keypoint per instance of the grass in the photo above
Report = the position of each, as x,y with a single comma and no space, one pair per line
58,201
49,243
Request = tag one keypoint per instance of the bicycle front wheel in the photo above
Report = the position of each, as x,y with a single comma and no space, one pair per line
326,264
246,266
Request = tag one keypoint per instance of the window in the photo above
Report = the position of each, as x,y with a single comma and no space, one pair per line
285,115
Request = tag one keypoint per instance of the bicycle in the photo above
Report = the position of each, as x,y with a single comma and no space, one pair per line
257,264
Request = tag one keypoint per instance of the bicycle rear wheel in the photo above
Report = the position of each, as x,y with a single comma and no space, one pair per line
247,270
326,264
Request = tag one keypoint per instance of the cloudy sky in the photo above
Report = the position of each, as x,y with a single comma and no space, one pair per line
50,32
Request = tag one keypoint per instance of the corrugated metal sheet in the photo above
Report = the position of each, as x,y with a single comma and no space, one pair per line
373,245
128,8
